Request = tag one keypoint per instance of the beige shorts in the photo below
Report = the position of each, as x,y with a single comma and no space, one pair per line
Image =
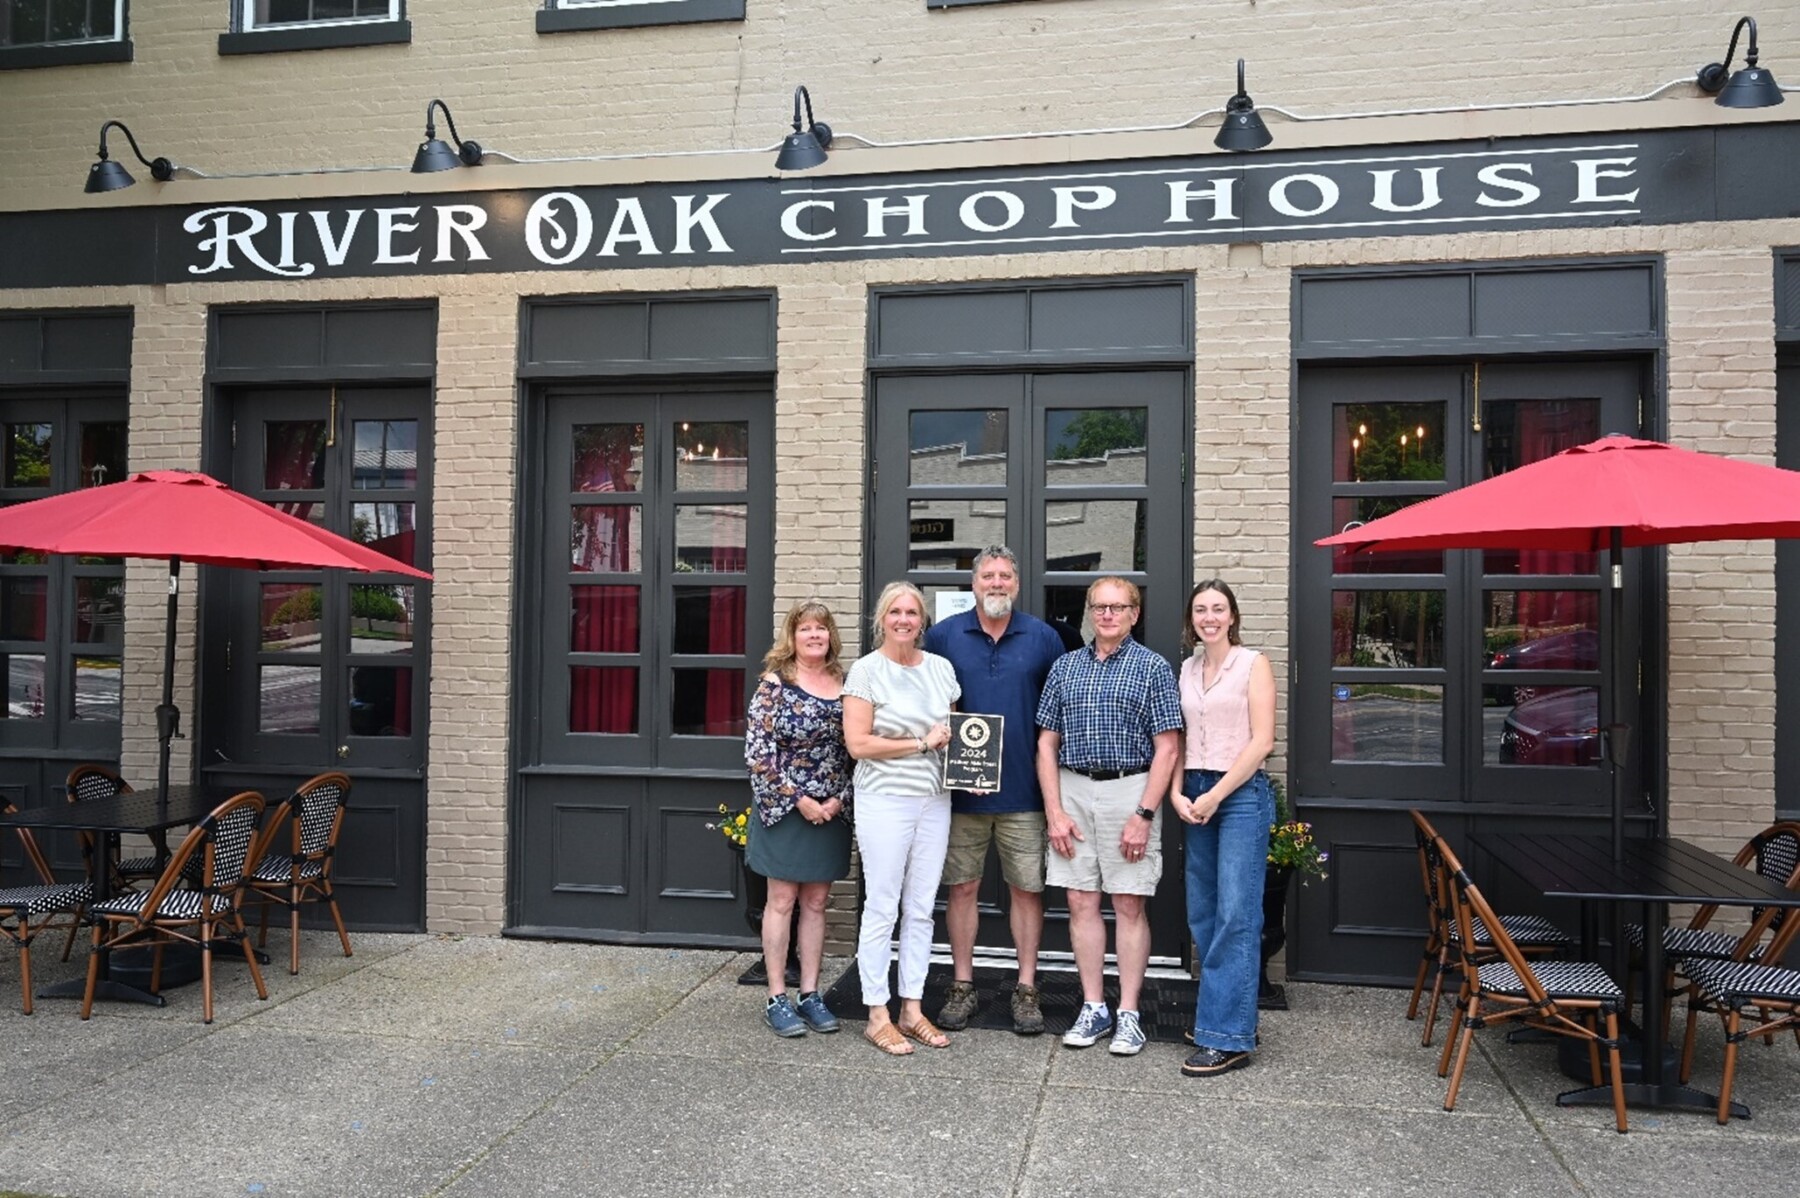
1099,811
1020,838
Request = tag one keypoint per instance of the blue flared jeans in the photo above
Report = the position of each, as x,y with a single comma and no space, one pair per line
1226,857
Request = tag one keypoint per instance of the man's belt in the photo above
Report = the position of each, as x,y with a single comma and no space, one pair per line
1106,775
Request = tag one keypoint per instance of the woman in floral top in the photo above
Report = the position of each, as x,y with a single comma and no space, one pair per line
799,837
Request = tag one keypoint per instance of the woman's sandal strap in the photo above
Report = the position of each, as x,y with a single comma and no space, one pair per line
925,1032
888,1039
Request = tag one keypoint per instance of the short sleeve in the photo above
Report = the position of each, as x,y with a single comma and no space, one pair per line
1165,697
1049,709
860,682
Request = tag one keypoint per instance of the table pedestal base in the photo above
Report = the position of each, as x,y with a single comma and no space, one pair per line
106,989
1669,1096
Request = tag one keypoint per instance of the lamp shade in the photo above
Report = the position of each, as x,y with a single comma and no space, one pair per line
800,151
107,175
1243,131
434,155
1751,87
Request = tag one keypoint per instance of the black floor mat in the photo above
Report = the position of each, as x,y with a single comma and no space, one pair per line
1166,1005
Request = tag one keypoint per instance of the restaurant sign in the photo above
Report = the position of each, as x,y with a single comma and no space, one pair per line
1648,177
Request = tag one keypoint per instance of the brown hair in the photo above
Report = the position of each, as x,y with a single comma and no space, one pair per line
1188,640
782,655
1137,596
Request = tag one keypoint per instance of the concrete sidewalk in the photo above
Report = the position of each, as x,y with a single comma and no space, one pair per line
431,1065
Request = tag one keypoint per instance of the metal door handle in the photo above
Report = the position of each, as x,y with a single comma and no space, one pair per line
343,752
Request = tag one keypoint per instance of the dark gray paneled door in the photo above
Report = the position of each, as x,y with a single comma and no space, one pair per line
327,670
1082,474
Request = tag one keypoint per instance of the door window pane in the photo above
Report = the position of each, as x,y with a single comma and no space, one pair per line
1349,513
291,612
1387,442
1541,630
381,701
99,611
28,449
386,454
606,539
381,618
288,699
709,619
603,699
387,528
294,456
946,534
1541,725
708,702
712,455
1387,722
24,685
711,538
1101,536
957,449
1088,447
607,457
22,603
97,689
103,458
1518,432
603,619
1387,629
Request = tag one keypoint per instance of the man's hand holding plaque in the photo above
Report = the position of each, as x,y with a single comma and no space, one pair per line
972,758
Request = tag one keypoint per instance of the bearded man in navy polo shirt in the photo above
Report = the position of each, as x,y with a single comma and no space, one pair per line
1001,656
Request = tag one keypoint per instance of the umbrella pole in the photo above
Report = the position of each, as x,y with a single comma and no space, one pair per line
168,716
1618,730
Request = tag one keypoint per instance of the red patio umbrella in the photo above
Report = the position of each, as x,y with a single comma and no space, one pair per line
1615,493
180,515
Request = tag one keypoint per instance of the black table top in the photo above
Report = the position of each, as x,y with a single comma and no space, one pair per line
140,811
1667,870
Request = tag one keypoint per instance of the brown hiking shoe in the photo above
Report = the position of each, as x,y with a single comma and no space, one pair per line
958,1006
1028,1019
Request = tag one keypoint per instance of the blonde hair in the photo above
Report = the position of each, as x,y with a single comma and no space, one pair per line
889,593
1137,596
782,656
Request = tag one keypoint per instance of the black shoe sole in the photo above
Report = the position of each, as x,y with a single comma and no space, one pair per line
1237,1061
1027,1031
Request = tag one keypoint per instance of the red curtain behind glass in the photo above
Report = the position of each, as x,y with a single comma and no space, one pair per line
605,618
1546,428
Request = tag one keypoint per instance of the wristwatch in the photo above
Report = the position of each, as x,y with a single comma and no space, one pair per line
1145,812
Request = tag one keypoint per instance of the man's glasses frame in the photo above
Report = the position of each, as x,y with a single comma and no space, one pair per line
1111,609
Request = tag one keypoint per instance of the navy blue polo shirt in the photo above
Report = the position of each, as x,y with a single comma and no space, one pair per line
1001,677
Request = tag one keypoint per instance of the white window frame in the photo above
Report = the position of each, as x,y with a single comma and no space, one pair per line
118,33
247,19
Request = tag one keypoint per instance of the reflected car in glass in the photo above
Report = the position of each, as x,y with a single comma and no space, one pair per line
1557,727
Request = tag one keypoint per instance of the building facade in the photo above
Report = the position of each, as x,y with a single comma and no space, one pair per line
629,391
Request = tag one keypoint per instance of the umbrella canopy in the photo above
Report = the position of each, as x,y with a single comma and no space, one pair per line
177,516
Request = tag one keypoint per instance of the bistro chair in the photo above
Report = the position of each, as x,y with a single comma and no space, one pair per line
1732,990
89,782
1534,935
301,873
1547,995
23,908
168,912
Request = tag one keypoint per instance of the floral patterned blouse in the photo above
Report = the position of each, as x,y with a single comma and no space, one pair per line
794,747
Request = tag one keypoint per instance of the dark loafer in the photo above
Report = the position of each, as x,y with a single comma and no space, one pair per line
1205,1062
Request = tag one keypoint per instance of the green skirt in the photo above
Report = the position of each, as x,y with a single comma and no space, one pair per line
796,851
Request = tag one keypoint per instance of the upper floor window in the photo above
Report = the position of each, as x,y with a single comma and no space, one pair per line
273,14
264,26
559,15
42,33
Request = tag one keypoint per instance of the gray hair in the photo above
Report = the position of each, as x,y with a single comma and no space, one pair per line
991,553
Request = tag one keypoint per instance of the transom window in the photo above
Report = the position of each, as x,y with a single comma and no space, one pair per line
60,22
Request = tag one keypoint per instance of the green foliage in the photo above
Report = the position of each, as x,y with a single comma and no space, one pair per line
1092,433
1291,843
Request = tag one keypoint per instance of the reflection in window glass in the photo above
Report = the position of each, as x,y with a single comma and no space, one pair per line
603,699
1541,725
711,538
386,454
57,22
1100,536
1096,446
606,457
1518,432
22,602
1387,442
381,618
709,619
712,455
603,619
24,685
291,612
1349,513
957,449
708,702
307,12
99,611
1541,630
103,458
288,700
1387,722
381,701
27,455
387,528
98,689
606,539
294,456
946,534
1387,629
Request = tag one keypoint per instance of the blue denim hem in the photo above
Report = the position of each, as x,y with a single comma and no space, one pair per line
1223,1042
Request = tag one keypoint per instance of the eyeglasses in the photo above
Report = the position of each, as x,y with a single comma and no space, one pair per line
1111,609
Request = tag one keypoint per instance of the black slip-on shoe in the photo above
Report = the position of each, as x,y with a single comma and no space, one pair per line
1205,1062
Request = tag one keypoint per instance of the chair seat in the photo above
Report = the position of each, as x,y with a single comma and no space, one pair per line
143,867
1527,931
31,901
177,904
1691,943
279,867
1742,980
1560,980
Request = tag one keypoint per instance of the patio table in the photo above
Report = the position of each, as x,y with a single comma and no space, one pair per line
1656,873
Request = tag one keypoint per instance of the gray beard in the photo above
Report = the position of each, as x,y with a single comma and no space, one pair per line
996,607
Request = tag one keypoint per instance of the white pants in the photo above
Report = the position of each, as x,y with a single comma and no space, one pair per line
902,840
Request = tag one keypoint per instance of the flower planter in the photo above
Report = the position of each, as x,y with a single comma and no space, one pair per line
1269,995
756,897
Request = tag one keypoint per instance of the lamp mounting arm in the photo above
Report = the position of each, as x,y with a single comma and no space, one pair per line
1242,101
1713,75
820,131
470,152
161,169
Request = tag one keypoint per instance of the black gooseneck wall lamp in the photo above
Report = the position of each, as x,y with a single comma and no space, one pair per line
804,148
107,175
1751,86
1243,128
434,155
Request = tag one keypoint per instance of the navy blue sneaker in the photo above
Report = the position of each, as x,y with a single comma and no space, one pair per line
782,1018
818,1016
1090,1025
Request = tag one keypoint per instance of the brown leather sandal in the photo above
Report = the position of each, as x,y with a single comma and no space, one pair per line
888,1039
925,1032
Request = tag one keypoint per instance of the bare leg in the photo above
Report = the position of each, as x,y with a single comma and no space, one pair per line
813,897
777,920
1132,932
1027,919
1087,934
962,913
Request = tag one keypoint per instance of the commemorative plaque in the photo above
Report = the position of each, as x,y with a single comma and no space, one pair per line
972,758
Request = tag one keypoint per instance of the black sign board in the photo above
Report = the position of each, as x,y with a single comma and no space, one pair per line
931,531
972,758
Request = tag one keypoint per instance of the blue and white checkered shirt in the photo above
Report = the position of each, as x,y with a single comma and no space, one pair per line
1108,711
